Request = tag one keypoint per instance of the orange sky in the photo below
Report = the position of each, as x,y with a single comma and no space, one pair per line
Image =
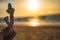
46,7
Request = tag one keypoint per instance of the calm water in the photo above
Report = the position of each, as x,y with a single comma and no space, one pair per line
21,23
15,22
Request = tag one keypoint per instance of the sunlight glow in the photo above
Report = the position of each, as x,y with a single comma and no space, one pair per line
33,5
34,23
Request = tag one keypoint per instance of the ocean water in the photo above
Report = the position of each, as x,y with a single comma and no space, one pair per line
25,23
15,23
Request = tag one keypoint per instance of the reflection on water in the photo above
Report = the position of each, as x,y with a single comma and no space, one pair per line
41,22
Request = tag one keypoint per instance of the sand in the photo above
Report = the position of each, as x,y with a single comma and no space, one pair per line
36,33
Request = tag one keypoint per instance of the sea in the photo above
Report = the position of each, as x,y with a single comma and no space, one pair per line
24,23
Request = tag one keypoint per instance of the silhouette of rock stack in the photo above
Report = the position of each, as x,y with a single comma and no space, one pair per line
8,33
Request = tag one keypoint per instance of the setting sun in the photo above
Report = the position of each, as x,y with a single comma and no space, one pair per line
33,5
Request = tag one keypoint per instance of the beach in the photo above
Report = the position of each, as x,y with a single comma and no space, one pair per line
36,33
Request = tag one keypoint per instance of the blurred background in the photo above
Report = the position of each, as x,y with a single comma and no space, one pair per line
33,19
32,12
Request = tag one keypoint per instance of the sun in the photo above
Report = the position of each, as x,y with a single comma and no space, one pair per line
34,23
33,5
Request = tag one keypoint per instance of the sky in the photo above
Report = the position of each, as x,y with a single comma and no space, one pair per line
24,8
